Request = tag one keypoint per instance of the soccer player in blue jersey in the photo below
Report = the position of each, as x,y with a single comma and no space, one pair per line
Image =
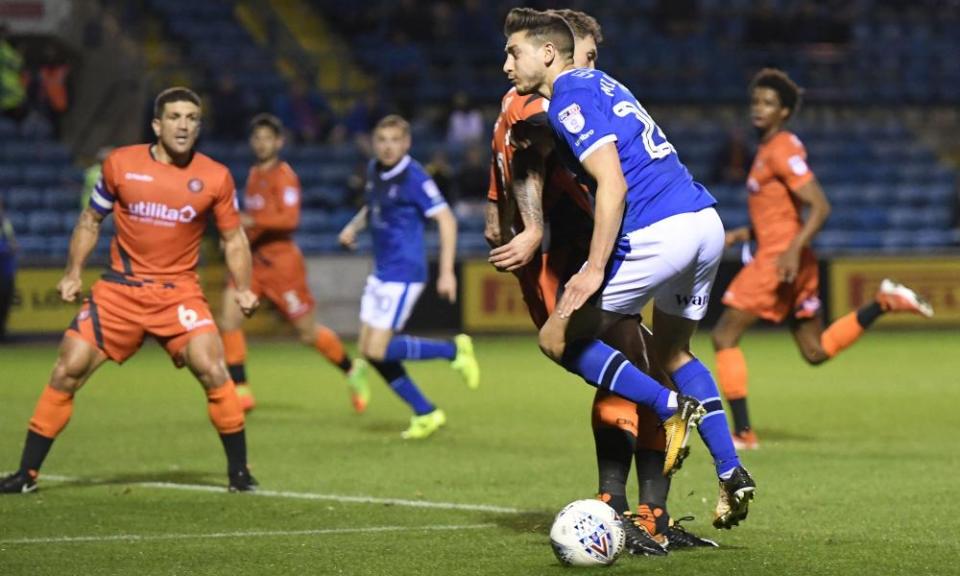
656,235
400,196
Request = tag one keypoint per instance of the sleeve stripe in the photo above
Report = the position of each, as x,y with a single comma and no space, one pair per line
102,189
593,147
96,198
436,209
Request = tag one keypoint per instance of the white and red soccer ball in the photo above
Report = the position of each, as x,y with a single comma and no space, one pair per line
587,533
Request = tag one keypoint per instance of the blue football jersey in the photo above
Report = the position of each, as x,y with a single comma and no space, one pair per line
399,201
590,108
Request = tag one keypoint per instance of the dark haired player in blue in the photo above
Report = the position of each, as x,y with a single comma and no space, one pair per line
400,196
656,235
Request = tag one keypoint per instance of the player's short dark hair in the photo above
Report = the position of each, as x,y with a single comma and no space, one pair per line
542,27
174,94
583,24
790,94
393,121
266,120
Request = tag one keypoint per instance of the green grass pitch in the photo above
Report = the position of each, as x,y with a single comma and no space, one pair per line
858,471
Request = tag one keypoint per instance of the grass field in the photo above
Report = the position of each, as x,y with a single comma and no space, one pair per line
857,473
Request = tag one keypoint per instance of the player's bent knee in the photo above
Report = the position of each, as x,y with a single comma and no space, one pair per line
552,344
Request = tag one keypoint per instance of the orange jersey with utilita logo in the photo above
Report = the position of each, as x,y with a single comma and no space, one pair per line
779,167
272,199
160,210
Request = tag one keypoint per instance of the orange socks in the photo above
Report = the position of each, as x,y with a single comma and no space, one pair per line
841,334
614,411
52,412
732,373
234,347
329,344
224,408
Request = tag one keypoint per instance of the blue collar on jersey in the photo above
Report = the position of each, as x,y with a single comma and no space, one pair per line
400,167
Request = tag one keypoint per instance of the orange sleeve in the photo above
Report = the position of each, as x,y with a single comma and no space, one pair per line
225,205
283,214
789,164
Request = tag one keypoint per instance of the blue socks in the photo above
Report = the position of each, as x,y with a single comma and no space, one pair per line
693,379
396,377
606,368
412,348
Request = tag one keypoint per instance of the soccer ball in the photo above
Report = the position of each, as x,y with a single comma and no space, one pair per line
587,533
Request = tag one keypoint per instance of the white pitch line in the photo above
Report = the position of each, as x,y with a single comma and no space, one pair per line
252,534
313,496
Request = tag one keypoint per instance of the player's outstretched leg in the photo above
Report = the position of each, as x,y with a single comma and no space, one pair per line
580,352
204,357
326,341
235,352
732,372
459,351
76,362
426,418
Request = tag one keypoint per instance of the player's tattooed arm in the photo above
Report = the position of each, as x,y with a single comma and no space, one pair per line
236,251
810,194
491,230
529,175
82,242
348,236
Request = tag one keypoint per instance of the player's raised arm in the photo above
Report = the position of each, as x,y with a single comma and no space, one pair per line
82,242
527,188
603,164
348,236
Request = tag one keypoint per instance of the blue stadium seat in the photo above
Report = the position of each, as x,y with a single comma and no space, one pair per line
25,198
45,222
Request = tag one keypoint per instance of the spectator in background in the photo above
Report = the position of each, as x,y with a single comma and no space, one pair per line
441,171
366,112
92,175
473,178
732,161
465,125
304,112
13,94
53,94
230,109
8,269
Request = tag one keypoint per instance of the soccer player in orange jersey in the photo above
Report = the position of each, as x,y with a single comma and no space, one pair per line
781,282
270,217
160,196
530,191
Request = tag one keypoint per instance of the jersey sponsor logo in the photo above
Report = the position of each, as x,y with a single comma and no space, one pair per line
291,196
688,300
431,190
255,202
161,214
190,320
572,119
138,177
583,137
392,191
798,165
195,185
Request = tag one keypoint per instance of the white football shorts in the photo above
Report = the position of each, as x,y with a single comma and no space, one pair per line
387,305
674,261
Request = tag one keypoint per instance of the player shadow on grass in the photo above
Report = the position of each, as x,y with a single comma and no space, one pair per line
194,477
525,522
